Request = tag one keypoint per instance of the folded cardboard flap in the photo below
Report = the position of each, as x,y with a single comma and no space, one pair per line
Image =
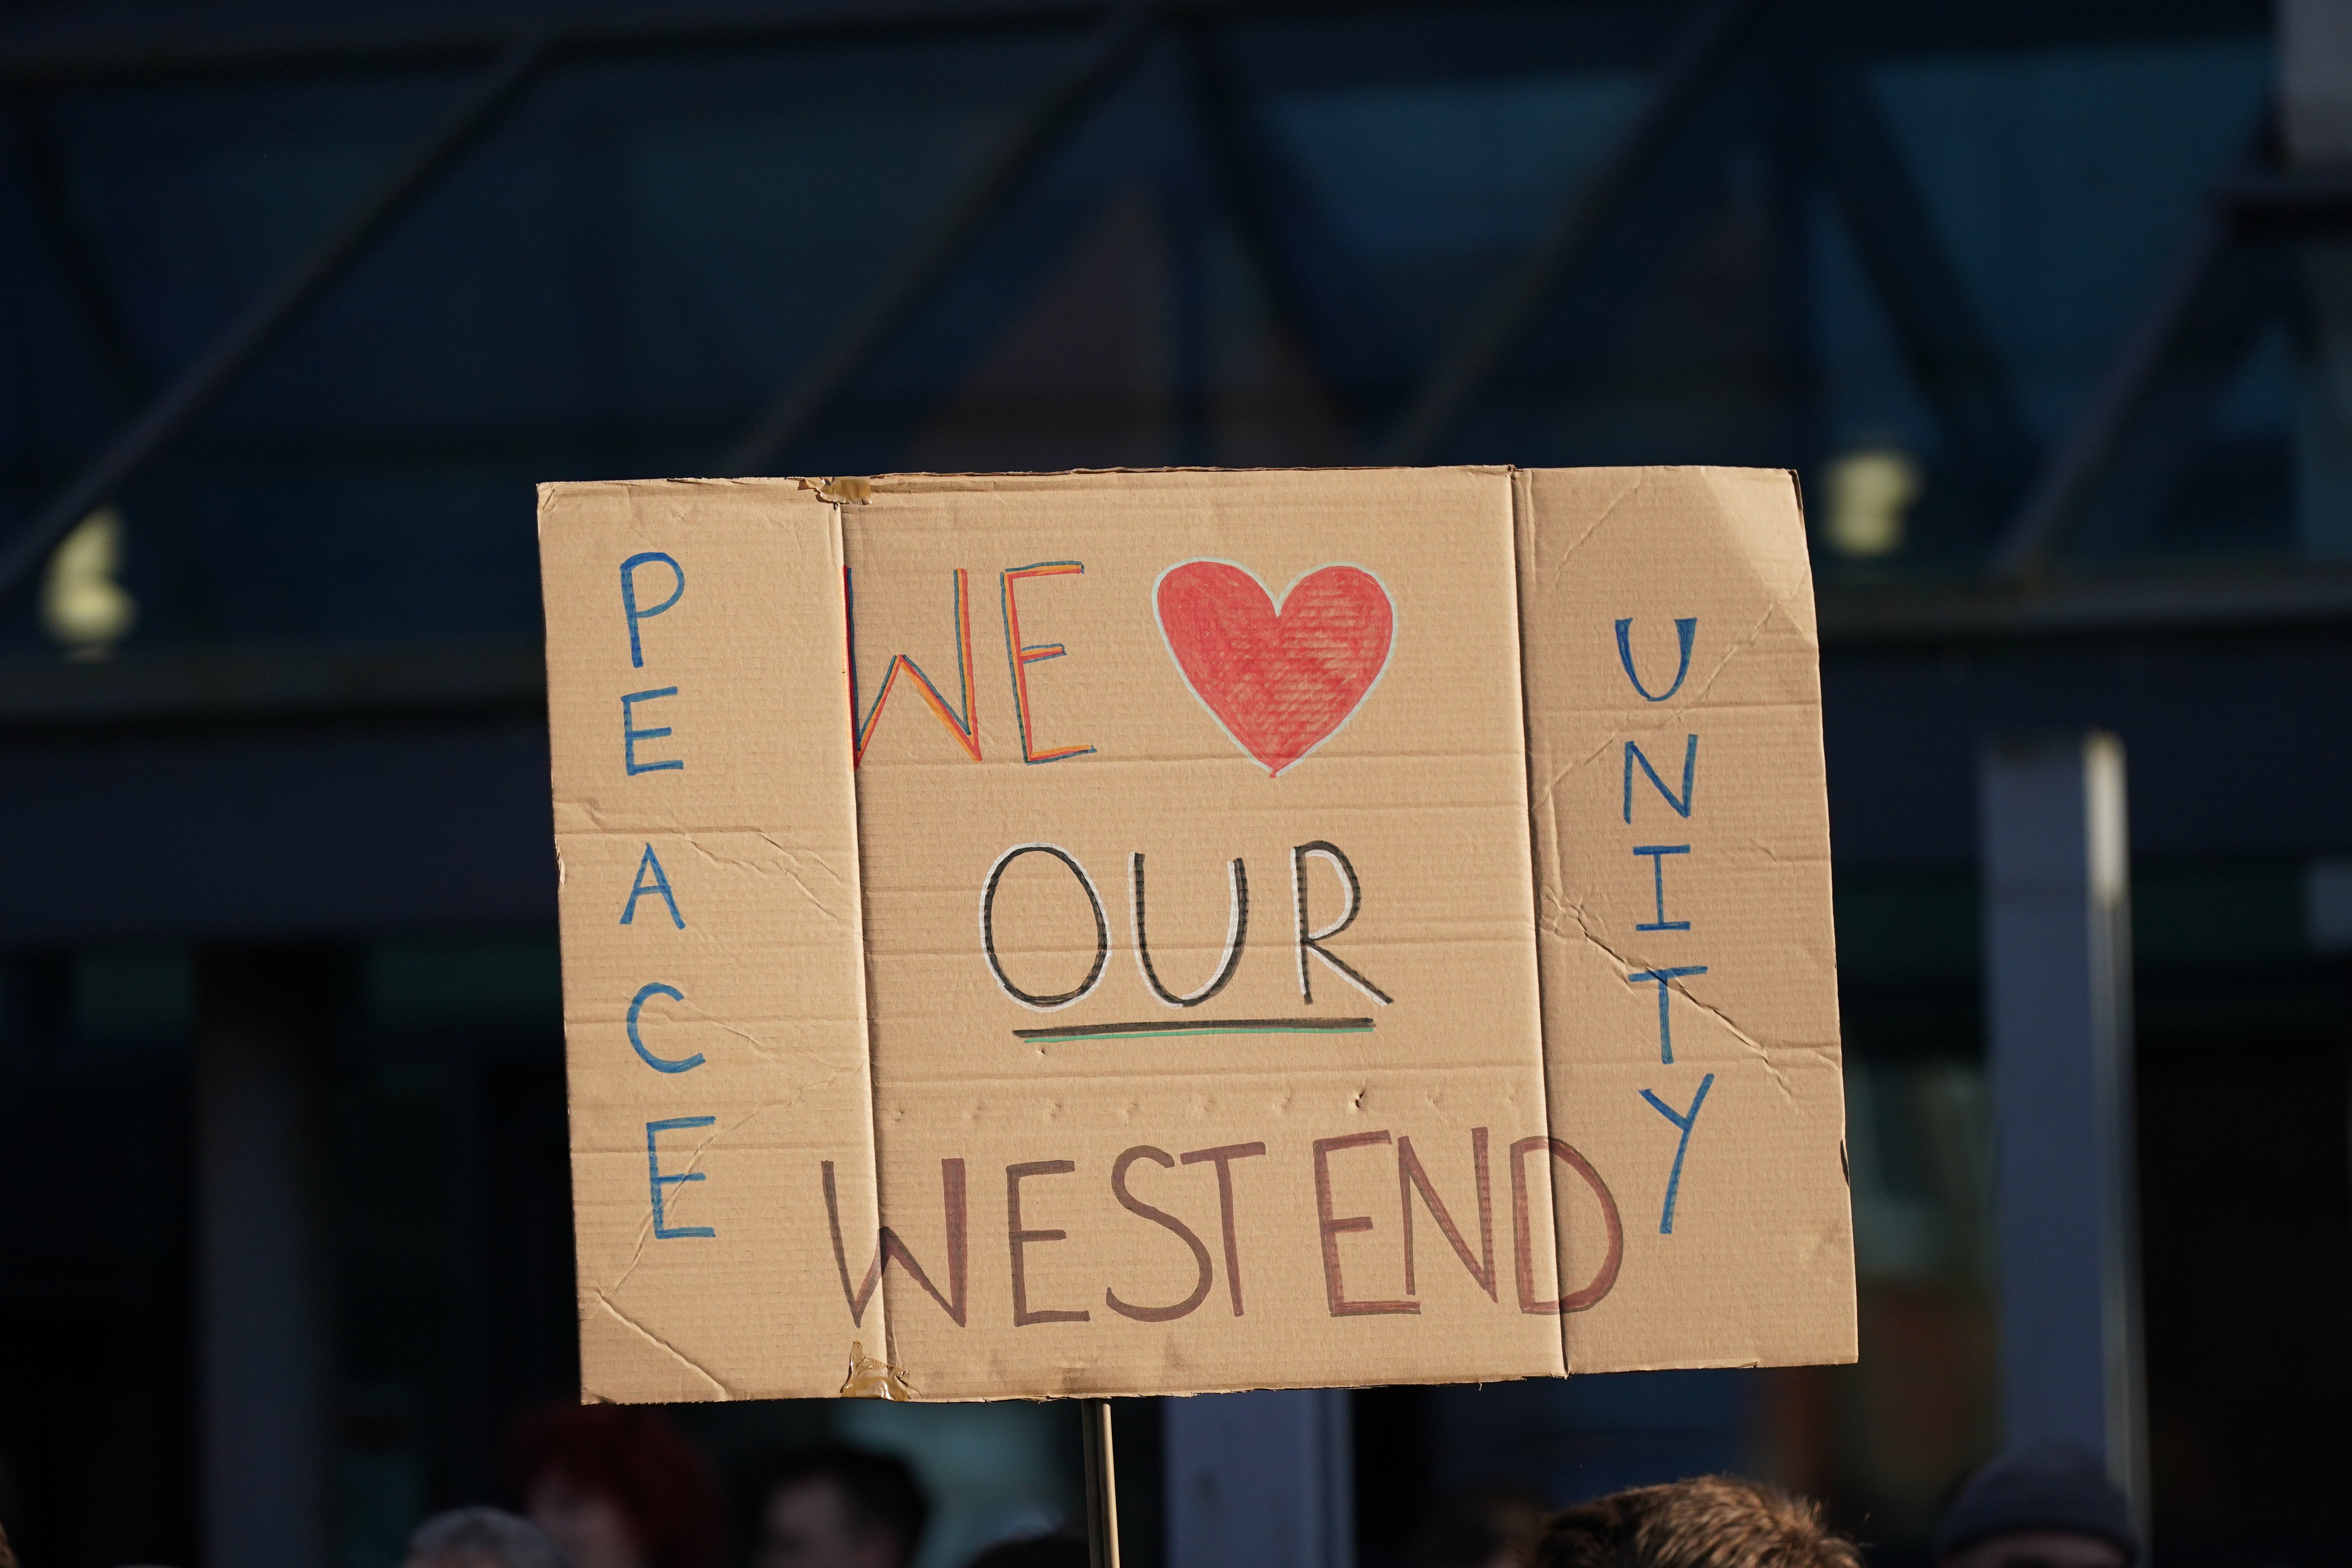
1167,931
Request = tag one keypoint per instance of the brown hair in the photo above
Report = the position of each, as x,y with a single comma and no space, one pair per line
637,1462
1713,1521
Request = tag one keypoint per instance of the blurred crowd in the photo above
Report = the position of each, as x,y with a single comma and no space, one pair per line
605,1486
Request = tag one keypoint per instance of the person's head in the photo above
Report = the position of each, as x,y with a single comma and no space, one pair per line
1713,1521
1035,1551
2050,1506
1485,1527
840,1508
482,1537
616,1486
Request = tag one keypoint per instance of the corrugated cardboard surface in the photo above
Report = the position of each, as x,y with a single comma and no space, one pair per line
1010,961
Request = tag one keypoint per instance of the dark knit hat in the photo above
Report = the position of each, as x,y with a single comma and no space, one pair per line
2050,1486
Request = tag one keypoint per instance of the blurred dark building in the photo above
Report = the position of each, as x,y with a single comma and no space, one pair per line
2049,304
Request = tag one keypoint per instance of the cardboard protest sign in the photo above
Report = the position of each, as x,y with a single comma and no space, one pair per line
1169,931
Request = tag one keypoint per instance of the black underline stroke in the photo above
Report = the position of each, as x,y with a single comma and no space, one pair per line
1200,1027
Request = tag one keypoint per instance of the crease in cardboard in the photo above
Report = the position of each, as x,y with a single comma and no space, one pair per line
870,1378
1317,1091
1567,555
1698,702
1756,1048
605,1302
791,869
1773,612
1522,535
636,1254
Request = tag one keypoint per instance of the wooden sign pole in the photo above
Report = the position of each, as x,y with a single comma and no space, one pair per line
1102,1485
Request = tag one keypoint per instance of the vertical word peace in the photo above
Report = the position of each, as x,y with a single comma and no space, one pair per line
650,893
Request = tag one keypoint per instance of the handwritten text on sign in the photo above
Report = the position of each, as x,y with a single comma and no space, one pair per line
1065,930
1280,677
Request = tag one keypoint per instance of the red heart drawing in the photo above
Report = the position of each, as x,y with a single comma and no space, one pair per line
1279,681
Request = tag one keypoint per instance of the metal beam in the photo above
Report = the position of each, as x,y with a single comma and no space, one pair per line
266,1373
118,57
2287,199
1116,45
1893,616
1314,286
2056,857
1942,335
236,351
109,54
1708,46
1261,1480
80,265
283,686
2208,310
82,269
2058,495
299,686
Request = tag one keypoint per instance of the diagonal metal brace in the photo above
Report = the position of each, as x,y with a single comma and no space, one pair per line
1317,288
236,349
2128,456
80,267
2194,304
1708,47
1117,44
1942,334
2060,493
